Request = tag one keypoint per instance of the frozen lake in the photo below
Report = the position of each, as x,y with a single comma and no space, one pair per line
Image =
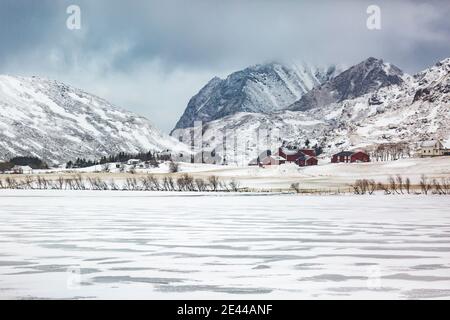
57,244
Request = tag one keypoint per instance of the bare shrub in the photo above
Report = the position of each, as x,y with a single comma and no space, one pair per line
437,187
131,184
360,186
425,186
213,182
393,185
79,183
446,185
371,186
296,187
408,185
200,184
185,183
113,185
399,180
384,187
234,185
174,167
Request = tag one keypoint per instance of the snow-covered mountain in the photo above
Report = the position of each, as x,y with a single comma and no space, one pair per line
56,122
392,107
367,76
262,88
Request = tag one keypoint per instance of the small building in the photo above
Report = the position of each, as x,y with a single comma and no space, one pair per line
291,155
306,160
308,152
432,148
272,160
253,162
350,157
133,162
22,170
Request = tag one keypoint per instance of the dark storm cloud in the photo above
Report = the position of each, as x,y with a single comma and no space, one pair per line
153,55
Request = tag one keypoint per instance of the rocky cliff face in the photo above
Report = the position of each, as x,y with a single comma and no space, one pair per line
367,76
262,88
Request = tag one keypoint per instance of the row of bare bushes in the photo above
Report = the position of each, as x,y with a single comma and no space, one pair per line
399,185
149,182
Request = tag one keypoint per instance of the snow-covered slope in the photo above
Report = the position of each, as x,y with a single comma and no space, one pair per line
58,123
410,110
263,88
367,76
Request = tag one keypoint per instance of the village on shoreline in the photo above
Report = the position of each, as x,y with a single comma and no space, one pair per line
291,170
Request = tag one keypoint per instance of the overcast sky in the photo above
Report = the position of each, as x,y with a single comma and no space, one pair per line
152,56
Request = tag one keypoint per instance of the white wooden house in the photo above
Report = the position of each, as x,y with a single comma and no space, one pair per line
431,148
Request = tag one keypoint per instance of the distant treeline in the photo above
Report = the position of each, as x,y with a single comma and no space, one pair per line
33,162
120,157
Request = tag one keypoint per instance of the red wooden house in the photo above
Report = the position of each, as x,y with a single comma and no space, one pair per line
350,157
306,160
309,152
302,157
289,154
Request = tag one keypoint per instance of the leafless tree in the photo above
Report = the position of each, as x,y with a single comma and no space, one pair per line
408,185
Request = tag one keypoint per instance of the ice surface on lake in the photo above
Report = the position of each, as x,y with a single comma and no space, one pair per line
57,244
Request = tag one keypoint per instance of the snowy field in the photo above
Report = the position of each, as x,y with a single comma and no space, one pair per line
87,245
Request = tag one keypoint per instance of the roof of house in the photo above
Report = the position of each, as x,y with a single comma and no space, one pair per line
22,168
303,156
344,153
430,143
269,159
289,152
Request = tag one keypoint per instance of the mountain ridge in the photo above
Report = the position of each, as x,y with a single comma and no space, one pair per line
408,110
57,122
261,88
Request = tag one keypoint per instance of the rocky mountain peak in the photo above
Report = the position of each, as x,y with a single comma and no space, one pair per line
365,77
262,88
